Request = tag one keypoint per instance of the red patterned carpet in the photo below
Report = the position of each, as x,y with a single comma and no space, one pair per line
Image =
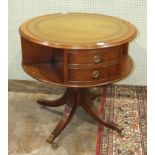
125,105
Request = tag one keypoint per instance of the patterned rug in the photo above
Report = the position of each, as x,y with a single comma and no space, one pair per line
125,105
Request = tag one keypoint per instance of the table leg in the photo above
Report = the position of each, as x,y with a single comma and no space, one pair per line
68,113
54,103
90,109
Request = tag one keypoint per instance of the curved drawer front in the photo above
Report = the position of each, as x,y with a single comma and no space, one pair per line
93,74
94,56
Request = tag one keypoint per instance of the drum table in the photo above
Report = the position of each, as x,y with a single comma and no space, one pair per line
76,50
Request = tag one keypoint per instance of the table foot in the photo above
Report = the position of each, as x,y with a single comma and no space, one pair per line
51,141
92,111
70,108
116,127
54,103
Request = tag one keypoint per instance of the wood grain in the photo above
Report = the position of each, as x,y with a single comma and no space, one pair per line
78,30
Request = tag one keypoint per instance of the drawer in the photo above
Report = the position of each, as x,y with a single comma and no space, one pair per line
93,74
94,56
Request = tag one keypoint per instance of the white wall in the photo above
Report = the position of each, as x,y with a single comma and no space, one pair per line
132,10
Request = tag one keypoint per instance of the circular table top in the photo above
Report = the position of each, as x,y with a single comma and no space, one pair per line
78,30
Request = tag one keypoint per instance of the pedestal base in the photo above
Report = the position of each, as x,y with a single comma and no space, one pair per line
72,98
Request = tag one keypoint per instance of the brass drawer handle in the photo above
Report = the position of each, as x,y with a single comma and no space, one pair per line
95,74
97,58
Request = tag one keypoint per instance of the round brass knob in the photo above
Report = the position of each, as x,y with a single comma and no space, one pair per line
95,74
97,58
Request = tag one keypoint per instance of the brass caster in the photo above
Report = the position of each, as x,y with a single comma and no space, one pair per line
39,101
115,126
119,129
121,133
121,108
50,141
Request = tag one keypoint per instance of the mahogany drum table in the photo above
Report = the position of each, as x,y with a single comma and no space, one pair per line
76,50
